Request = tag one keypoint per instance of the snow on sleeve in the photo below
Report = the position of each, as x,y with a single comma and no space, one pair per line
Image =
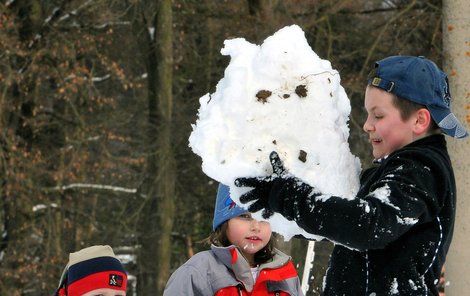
277,96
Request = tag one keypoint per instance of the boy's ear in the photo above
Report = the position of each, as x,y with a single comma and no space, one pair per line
423,121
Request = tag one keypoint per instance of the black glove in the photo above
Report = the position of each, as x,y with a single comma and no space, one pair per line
262,188
289,195
280,192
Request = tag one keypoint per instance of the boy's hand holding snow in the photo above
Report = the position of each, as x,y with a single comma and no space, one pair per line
262,188
281,192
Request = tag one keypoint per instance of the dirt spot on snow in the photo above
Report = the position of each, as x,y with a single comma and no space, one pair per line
302,156
301,91
263,95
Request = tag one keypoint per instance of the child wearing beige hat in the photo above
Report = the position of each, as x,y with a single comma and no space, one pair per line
93,271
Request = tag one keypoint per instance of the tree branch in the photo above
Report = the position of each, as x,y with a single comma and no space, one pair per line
94,186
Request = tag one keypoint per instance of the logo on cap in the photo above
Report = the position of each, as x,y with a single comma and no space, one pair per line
115,280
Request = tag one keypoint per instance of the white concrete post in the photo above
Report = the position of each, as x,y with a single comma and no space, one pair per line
456,41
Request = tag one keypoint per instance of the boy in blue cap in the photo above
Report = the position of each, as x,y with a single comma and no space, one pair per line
392,239
241,261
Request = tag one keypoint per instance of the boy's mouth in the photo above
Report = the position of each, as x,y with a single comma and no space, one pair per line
375,141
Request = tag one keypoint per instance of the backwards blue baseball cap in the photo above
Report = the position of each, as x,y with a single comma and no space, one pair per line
225,207
419,80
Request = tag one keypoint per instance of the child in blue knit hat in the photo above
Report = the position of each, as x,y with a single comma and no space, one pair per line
242,259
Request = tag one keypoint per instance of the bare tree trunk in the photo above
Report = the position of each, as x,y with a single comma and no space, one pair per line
158,212
456,27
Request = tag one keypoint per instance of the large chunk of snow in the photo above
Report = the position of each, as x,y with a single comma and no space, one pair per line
277,96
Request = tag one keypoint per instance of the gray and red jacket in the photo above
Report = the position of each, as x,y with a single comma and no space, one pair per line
223,271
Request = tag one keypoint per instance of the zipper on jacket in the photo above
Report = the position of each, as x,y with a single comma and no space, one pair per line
240,287
367,271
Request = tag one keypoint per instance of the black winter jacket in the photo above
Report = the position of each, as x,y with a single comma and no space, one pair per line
393,238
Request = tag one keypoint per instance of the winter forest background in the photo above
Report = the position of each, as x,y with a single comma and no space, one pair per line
96,104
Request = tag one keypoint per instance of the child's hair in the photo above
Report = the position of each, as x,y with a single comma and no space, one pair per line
218,237
407,108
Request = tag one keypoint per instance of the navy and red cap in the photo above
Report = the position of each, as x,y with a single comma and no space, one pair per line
92,268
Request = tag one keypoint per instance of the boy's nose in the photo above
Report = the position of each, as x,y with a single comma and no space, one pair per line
367,127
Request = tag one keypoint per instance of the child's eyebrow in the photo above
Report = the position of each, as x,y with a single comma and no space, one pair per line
375,108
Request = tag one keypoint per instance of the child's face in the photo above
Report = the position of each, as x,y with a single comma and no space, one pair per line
105,292
248,234
387,130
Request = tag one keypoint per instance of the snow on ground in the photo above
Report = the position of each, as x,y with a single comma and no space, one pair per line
278,96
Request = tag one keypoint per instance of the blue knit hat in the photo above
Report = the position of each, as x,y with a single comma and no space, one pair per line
419,80
225,207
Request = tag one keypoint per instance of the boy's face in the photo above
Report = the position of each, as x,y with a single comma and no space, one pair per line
387,130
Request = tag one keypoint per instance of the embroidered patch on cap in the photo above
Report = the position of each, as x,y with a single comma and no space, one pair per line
115,280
